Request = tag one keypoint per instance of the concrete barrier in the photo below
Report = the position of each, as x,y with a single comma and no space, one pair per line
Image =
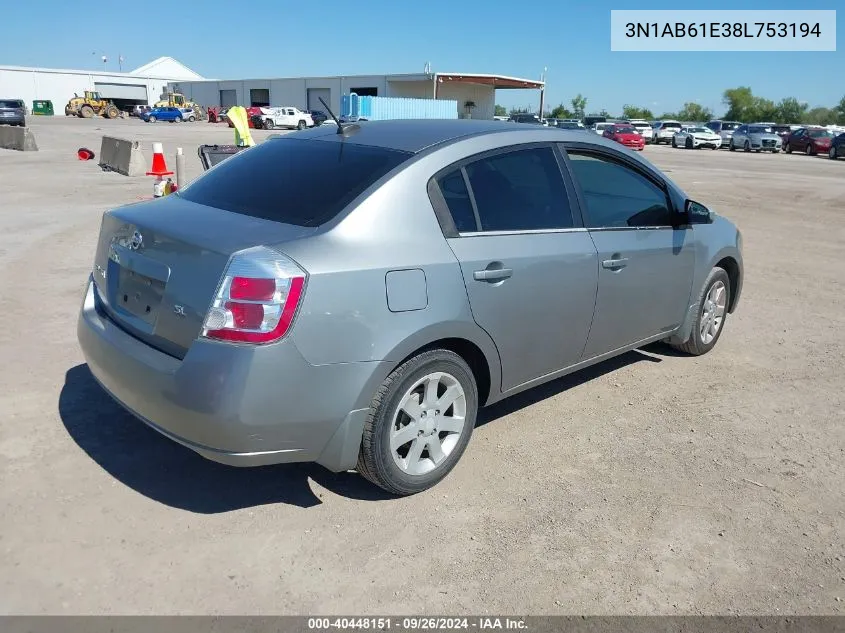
123,156
19,138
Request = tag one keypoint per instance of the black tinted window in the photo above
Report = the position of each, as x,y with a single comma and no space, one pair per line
519,191
454,191
618,196
11,103
300,182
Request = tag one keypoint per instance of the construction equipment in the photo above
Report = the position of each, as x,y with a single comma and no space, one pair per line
174,100
92,104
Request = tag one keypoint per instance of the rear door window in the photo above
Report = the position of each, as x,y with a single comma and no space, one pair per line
300,182
520,190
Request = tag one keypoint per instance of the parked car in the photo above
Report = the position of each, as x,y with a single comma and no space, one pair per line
625,134
759,138
526,118
570,125
664,131
188,114
286,117
600,127
590,121
695,137
810,140
167,113
318,116
139,109
782,130
645,130
837,147
725,129
12,112
362,326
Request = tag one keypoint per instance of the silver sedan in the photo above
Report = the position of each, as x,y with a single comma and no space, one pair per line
438,267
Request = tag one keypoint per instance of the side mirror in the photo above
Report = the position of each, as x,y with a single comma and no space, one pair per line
696,213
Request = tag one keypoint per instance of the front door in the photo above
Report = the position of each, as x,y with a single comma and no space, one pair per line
529,269
645,266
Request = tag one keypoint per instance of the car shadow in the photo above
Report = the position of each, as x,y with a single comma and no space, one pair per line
650,353
169,473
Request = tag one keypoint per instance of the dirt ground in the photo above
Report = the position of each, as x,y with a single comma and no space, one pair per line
651,484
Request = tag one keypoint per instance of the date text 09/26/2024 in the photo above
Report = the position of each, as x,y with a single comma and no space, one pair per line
421,623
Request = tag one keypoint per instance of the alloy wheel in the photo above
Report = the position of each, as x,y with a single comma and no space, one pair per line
713,312
428,423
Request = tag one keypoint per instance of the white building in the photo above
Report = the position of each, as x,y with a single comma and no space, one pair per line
475,93
140,86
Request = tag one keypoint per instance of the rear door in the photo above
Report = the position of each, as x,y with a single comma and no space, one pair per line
528,264
645,266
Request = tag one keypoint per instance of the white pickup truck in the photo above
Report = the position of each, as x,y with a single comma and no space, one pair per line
286,117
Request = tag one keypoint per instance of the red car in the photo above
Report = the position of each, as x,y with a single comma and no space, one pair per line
625,134
810,140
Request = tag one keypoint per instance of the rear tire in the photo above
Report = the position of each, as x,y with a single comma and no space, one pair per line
300,125
381,459
746,147
674,142
787,148
112,112
831,154
809,149
700,342
268,124
151,118
731,146
86,112
689,144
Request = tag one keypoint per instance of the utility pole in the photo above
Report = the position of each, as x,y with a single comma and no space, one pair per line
542,92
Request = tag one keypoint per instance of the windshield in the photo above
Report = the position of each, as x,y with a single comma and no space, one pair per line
700,130
672,125
624,129
730,126
759,129
10,103
820,133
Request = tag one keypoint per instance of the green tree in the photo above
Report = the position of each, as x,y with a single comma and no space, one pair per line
764,109
500,110
694,112
672,116
821,116
741,104
579,105
790,110
560,112
634,112
841,108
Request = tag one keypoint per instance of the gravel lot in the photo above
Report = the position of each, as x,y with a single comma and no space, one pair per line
651,484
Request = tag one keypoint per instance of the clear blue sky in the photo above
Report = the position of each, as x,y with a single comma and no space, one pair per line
377,37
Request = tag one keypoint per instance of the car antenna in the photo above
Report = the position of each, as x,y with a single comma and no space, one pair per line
345,130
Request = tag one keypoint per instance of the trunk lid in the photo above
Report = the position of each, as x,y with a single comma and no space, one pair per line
158,265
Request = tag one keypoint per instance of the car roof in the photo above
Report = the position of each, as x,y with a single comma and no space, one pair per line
417,135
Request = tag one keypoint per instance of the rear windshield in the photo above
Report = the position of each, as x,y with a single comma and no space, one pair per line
10,103
672,125
301,182
730,126
821,133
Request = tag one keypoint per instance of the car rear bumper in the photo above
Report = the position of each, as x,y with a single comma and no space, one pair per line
238,405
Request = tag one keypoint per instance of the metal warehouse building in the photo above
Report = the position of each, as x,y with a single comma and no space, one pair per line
140,86
475,93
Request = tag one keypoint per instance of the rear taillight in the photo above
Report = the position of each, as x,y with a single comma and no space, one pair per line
257,299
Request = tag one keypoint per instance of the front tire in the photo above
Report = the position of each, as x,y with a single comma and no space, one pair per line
787,148
689,143
674,142
713,302
420,422
731,146
831,154
746,147
151,119
268,124
809,149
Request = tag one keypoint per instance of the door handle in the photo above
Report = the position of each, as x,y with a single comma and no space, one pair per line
492,274
615,264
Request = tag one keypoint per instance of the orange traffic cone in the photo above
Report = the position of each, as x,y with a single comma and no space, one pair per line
159,169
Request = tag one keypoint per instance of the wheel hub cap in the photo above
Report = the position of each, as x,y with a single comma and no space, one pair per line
713,312
428,423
